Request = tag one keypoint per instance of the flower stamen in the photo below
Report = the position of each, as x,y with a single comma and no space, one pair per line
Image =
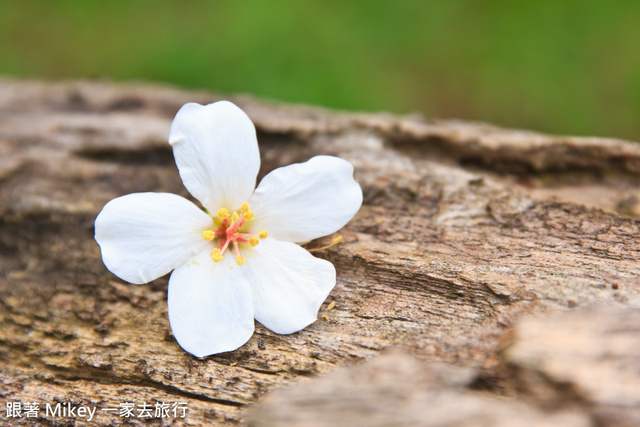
216,255
229,230
223,245
335,241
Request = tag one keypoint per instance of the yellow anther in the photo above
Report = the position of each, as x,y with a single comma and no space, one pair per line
235,217
208,235
215,255
240,260
254,241
248,215
244,208
263,234
223,213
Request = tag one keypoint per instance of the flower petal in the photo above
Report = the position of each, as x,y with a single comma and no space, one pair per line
304,201
143,236
216,151
289,285
210,308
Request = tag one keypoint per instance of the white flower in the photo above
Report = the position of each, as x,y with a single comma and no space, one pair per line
227,271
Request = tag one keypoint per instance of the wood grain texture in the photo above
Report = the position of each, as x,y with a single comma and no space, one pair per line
468,232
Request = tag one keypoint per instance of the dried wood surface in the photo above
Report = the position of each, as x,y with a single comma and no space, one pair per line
491,277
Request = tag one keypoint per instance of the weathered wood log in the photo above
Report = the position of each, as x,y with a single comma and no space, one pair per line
577,368
481,251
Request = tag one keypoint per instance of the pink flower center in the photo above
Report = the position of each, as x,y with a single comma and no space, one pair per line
230,233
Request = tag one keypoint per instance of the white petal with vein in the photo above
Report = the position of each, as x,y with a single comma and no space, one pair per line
210,308
304,201
216,151
289,285
143,236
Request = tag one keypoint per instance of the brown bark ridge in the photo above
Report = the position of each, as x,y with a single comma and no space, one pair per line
490,278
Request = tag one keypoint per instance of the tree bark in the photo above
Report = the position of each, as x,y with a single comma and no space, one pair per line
481,259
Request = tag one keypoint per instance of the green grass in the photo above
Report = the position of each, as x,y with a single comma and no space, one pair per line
568,67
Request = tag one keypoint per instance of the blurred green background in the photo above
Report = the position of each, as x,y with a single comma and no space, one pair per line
567,67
